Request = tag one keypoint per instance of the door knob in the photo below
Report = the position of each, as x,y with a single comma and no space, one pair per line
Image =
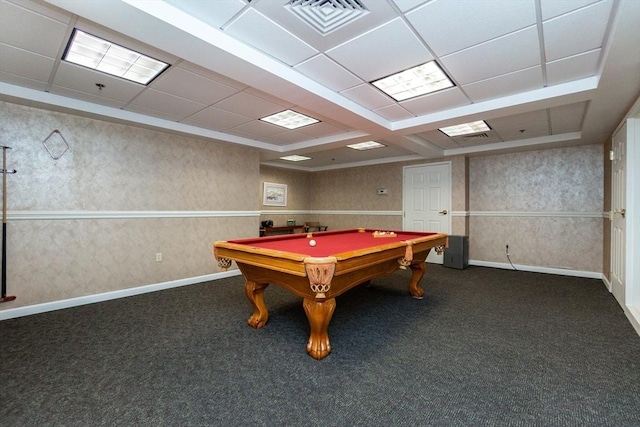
443,212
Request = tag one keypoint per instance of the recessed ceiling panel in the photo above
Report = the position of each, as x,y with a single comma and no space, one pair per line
503,55
329,73
25,64
217,119
553,8
507,84
259,31
368,96
450,26
17,29
166,103
215,13
185,84
249,105
393,112
97,97
563,36
573,68
82,79
390,48
443,100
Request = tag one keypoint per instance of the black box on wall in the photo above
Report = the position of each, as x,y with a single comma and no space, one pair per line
457,254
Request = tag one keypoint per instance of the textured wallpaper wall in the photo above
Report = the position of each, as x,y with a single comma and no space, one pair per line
546,205
113,167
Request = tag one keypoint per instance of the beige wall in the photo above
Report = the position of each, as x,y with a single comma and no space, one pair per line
546,204
547,207
112,167
117,168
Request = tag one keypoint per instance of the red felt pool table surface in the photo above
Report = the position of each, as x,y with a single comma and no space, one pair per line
330,243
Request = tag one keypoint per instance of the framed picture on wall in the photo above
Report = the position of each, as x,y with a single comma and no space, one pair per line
274,194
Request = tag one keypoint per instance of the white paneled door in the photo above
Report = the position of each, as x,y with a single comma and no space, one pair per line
618,210
427,200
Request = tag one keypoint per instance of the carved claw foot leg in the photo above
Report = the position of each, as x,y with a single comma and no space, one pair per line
255,293
418,271
319,315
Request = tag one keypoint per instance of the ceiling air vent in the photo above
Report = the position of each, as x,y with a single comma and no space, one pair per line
476,137
327,15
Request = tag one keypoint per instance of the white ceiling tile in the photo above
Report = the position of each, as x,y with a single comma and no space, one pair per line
95,98
507,84
385,50
563,36
189,66
218,119
259,31
573,67
25,64
153,113
531,130
284,138
214,13
319,130
443,100
553,8
160,101
328,73
186,84
84,80
257,128
393,112
249,105
503,55
518,120
438,138
22,81
567,118
367,96
449,26
405,5
16,29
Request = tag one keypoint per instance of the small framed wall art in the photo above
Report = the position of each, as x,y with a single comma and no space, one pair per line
274,194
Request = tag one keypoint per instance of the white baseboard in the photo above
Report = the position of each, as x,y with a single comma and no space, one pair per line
536,269
90,299
633,314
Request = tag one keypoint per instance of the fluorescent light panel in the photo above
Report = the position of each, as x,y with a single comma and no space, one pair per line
295,158
290,119
416,81
368,145
102,55
466,128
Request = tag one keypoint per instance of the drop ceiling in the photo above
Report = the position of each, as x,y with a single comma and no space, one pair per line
541,73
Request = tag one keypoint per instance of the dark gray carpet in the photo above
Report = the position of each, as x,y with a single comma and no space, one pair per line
485,347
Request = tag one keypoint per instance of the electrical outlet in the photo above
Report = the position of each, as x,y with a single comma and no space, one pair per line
507,249
159,256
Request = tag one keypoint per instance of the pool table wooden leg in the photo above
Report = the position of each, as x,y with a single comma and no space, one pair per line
418,271
319,314
255,293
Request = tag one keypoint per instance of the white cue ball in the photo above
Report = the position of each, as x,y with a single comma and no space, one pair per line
312,242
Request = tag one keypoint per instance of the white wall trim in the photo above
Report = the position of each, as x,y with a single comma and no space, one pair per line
106,296
540,214
537,269
633,314
328,212
606,281
72,215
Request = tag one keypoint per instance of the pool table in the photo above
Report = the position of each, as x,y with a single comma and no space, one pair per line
320,266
